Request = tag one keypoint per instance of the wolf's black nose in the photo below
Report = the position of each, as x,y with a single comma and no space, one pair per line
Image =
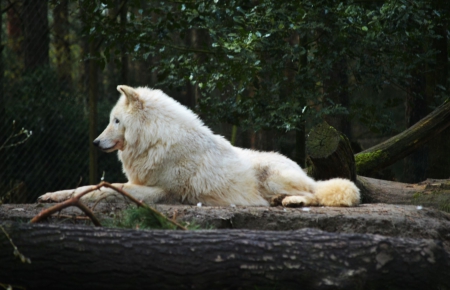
96,142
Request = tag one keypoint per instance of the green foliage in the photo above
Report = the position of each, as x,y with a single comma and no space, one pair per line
260,64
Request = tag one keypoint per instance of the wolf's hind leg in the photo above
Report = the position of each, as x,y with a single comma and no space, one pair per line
290,188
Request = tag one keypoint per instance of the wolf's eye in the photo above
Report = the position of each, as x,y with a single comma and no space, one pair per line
116,121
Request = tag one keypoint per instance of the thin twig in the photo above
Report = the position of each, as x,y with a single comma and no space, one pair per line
89,213
16,250
98,201
140,203
14,135
75,201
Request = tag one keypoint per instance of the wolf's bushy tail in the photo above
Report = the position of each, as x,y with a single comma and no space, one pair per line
337,192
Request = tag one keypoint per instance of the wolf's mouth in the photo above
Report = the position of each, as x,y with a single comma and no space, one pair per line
109,148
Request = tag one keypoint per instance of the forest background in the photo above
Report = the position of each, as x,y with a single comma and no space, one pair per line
260,73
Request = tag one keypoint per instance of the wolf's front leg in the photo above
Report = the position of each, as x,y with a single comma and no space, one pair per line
144,193
62,195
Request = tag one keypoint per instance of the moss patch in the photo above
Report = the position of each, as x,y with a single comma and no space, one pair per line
439,197
365,160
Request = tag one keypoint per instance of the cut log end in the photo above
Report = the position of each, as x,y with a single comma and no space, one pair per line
322,141
330,154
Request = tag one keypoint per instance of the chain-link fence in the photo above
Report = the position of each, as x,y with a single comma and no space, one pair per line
45,87
43,90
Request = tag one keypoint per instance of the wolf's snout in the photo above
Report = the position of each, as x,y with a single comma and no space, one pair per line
96,142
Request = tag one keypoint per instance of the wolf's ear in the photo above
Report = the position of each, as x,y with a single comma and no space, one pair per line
131,94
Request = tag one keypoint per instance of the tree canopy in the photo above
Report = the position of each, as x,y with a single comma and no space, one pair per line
270,64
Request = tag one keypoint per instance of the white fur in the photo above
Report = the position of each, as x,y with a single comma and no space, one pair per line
169,155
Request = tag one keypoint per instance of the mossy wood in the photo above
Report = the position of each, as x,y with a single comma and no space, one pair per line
433,193
403,144
330,154
75,257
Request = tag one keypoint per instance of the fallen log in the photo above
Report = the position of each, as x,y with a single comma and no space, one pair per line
404,143
384,219
330,155
75,257
433,193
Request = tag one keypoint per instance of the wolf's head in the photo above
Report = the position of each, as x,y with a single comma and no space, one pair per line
129,106
144,118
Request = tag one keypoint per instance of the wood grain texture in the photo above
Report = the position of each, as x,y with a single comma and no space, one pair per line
330,154
76,257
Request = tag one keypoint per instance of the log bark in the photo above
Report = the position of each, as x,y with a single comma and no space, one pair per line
403,144
330,154
384,219
433,193
64,257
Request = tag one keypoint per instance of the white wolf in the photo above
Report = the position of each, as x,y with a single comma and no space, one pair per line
169,155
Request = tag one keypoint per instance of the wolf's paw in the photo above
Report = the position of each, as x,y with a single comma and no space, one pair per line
278,199
294,201
57,196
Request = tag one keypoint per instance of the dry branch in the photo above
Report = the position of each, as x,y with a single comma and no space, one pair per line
75,201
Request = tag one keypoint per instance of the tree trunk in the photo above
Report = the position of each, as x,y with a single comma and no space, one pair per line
3,125
439,159
192,41
61,42
403,144
93,116
123,48
330,154
336,90
36,36
300,144
300,134
415,164
65,257
14,29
